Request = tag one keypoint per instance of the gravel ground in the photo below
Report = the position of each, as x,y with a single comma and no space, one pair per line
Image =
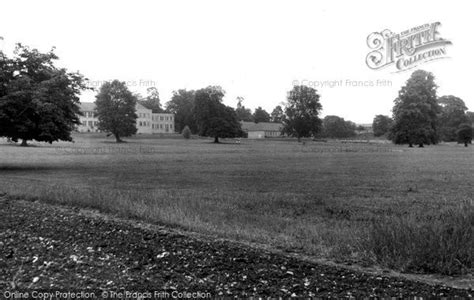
45,247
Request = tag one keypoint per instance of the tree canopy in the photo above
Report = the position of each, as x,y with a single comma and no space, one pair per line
451,116
115,109
261,115
213,118
302,109
337,127
181,105
152,100
38,101
277,114
415,111
381,125
465,133
243,113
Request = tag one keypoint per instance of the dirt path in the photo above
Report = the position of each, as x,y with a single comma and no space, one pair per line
47,247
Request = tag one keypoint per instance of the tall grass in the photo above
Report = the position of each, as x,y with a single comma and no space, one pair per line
318,198
434,243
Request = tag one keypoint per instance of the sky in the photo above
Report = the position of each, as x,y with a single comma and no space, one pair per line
253,49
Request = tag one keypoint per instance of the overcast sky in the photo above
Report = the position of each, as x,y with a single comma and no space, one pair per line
253,49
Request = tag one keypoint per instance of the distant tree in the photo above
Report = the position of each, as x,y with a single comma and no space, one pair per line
302,110
181,105
381,125
470,116
115,109
38,101
464,133
415,111
243,113
213,118
186,132
452,115
337,127
360,128
277,114
152,100
261,115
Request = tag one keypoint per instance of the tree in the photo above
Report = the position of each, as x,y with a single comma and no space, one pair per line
464,133
453,114
243,113
277,115
181,105
415,111
38,101
115,109
302,109
260,115
152,100
381,125
470,117
186,132
337,127
213,118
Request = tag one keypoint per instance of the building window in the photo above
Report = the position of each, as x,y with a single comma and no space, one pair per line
161,118
84,123
161,126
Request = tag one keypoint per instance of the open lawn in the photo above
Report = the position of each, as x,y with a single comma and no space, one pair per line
349,202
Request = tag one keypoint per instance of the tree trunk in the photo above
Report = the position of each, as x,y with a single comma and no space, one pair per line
410,145
24,143
118,139
421,145
465,144
216,139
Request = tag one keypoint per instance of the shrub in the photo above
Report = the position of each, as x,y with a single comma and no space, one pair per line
441,243
186,132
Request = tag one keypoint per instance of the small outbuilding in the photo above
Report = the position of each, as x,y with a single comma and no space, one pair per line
262,130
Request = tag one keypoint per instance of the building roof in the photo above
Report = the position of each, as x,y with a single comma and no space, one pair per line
87,106
90,106
262,126
140,106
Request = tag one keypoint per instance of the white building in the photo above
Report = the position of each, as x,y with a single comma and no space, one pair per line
147,121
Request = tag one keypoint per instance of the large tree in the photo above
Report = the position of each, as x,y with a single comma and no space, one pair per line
181,105
452,115
38,101
415,111
243,113
277,114
261,115
116,110
337,127
152,100
214,119
302,112
381,125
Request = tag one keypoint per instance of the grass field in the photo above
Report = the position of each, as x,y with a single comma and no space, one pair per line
350,202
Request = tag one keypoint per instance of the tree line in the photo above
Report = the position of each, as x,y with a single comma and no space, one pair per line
421,117
39,101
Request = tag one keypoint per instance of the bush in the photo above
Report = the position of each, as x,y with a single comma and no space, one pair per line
186,132
442,243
